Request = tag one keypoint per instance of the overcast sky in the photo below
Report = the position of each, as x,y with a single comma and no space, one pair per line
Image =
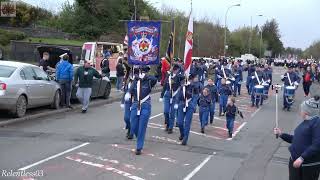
299,20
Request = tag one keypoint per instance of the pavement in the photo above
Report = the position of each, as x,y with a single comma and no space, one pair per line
92,146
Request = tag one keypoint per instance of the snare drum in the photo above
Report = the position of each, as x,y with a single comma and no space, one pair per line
289,91
265,88
258,89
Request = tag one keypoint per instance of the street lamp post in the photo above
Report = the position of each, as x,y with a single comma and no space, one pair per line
251,29
260,41
225,28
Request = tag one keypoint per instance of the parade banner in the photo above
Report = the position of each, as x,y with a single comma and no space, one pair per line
143,42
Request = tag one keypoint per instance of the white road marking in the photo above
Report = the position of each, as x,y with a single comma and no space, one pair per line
159,126
152,117
237,131
166,139
105,167
52,157
198,168
253,114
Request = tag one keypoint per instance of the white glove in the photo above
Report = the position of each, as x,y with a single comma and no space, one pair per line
77,85
282,76
141,76
269,81
188,83
176,106
216,68
252,77
122,106
160,99
127,97
296,83
233,79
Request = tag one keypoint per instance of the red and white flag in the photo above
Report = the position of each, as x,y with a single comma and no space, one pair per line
188,47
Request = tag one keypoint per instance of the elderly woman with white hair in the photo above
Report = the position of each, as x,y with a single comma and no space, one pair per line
305,143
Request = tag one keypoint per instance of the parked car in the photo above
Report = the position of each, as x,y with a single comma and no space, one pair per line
100,87
24,86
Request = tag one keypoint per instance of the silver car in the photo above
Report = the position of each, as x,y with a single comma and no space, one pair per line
24,86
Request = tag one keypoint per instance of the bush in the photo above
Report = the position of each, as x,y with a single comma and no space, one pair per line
6,36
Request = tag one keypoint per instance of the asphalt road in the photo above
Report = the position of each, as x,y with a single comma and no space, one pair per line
93,146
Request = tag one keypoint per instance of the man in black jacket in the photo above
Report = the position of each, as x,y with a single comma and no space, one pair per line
120,74
305,144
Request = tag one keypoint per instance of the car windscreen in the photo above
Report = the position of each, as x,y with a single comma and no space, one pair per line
6,71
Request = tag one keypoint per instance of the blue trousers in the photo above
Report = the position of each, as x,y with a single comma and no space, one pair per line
204,116
212,110
119,82
256,99
237,88
230,123
223,103
184,121
139,123
248,85
169,111
127,114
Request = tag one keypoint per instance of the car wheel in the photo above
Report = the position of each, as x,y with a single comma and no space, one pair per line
21,107
107,91
56,101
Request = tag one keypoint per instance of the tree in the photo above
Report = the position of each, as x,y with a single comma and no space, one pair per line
313,50
271,34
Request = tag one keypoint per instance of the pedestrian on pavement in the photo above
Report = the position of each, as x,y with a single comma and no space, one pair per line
308,78
84,76
204,103
141,106
105,67
304,162
64,75
224,92
120,74
231,111
213,94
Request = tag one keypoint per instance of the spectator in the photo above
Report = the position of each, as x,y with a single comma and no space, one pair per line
105,67
304,163
165,67
120,74
308,78
44,64
84,75
64,75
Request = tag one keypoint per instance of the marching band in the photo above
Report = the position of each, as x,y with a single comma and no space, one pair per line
181,95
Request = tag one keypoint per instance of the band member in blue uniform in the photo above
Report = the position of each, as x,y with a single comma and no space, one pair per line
250,69
290,78
204,103
172,86
224,92
237,73
187,98
213,93
127,104
141,107
267,80
256,79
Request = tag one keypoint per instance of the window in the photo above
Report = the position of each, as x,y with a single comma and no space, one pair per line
6,71
41,75
28,74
